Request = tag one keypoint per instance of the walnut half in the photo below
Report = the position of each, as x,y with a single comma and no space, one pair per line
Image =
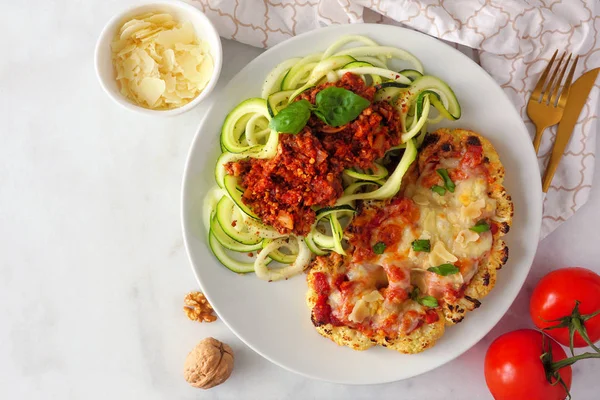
197,308
209,364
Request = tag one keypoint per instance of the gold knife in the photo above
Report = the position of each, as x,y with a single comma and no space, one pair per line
577,98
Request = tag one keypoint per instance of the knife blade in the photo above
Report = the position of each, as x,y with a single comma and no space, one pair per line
578,95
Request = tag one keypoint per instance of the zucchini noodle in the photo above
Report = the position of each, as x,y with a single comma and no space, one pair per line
237,236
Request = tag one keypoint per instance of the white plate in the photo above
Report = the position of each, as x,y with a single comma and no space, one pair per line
272,318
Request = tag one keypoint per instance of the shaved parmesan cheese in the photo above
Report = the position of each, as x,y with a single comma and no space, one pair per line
373,296
466,236
425,235
464,198
160,63
183,35
131,29
429,225
420,199
150,89
490,205
473,210
205,72
440,255
159,19
359,312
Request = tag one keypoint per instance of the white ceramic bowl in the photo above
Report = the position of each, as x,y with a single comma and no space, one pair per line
181,11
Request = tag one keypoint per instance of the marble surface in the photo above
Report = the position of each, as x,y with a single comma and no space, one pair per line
93,270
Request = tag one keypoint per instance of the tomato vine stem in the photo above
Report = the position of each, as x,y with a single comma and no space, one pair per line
575,323
552,367
555,366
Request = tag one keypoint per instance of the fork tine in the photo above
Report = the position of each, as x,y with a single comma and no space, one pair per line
562,100
546,92
560,79
540,85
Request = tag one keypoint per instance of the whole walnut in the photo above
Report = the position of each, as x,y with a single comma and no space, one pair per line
209,364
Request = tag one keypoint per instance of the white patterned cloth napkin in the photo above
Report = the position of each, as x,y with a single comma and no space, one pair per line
511,39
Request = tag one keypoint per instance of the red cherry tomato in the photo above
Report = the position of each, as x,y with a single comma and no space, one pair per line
514,371
555,296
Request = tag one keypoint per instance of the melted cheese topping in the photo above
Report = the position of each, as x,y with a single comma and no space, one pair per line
443,220
446,221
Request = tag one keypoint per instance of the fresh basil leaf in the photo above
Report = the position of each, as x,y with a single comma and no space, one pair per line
439,190
379,248
480,226
428,301
337,106
450,186
422,245
292,118
444,269
319,114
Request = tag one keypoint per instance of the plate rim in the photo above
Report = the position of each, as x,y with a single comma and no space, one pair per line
186,178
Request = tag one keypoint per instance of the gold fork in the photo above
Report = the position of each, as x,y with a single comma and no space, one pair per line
543,108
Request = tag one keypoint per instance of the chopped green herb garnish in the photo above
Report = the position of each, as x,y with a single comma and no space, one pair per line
480,226
448,184
428,301
422,245
439,190
444,269
379,248
414,295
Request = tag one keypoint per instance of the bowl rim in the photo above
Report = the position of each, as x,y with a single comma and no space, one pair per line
216,53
